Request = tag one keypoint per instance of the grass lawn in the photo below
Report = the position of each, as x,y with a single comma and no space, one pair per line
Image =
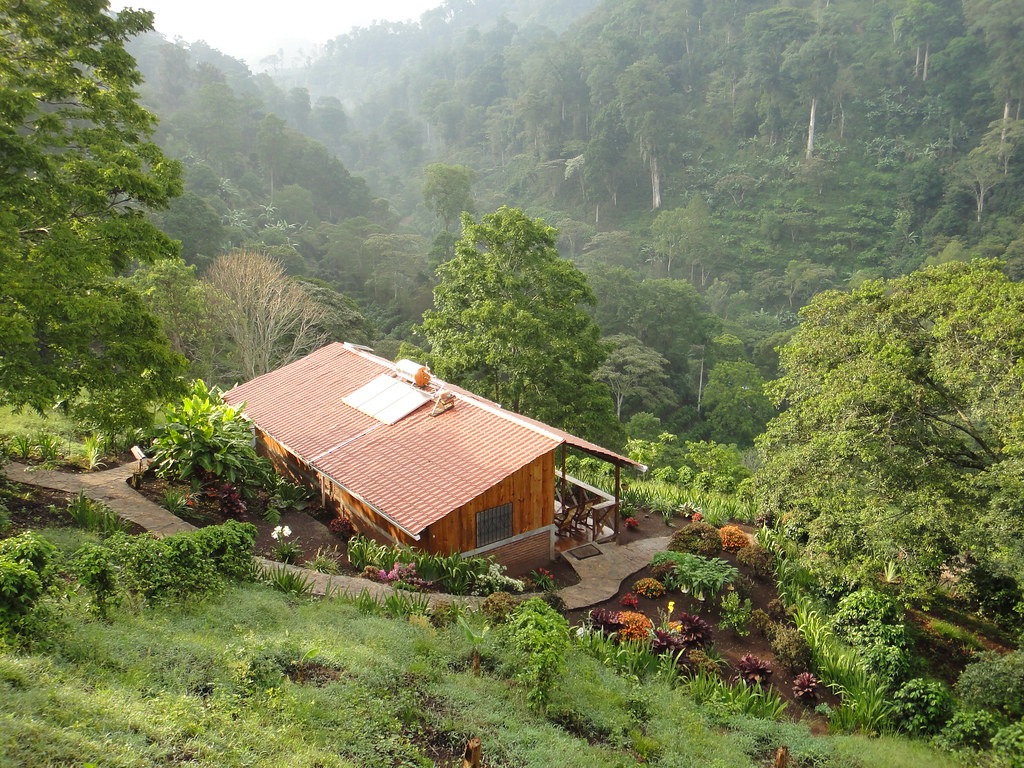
255,678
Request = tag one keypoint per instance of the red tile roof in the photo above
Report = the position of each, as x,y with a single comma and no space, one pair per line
414,471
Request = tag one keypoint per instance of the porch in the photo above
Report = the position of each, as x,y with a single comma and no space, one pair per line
583,513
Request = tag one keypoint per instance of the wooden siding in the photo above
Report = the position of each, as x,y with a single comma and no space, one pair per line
366,520
531,491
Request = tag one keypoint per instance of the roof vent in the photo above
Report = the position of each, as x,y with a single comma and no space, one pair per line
414,372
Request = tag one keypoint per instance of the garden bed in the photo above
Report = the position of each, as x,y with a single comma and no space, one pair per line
308,527
726,644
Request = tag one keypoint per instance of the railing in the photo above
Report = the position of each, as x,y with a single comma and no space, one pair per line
584,510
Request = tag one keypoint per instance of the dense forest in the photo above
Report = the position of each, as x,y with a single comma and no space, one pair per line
710,169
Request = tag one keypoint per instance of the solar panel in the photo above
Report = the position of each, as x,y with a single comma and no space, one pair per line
386,399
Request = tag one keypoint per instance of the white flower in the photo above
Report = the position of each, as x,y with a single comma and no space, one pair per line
287,532
281,532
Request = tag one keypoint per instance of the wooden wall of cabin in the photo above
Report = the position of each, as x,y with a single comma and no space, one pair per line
366,520
531,491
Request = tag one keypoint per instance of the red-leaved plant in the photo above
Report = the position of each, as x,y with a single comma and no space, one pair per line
805,688
754,670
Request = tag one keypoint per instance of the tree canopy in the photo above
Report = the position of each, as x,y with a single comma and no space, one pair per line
902,437
77,171
509,322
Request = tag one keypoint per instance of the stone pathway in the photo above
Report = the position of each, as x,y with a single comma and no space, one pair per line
111,488
601,575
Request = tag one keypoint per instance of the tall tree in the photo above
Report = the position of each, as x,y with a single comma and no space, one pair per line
901,435
77,170
270,320
447,191
509,322
633,370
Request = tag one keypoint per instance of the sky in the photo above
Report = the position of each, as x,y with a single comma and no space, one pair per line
253,29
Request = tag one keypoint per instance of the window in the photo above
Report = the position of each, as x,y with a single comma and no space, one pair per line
493,524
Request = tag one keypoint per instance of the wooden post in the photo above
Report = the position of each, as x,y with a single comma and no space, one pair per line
782,757
565,510
474,753
618,501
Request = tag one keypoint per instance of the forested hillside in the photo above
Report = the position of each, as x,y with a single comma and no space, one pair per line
710,167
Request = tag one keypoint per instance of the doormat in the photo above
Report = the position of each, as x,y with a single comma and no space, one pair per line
587,550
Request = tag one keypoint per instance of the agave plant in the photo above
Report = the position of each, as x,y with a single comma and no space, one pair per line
805,688
753,670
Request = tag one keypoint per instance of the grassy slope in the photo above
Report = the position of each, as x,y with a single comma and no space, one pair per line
200,685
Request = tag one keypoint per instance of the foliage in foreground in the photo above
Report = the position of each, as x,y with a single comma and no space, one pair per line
261,679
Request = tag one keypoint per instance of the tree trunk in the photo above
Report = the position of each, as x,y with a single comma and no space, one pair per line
810,127
924,72
655,184
917,62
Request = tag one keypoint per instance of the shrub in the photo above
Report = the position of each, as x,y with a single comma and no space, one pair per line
204,439
922,706
758,559
343,528
735,615
873,623
629,600
543,636
697,538
555,601
760,622
733,539
754,671
661,570
791,649
174,500
702,663
779,611
743,586
184,565
635,626
805,688
971,729
994,682
1008,744
95,568
649,588
498,607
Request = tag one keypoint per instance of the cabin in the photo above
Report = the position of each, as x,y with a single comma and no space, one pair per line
413,460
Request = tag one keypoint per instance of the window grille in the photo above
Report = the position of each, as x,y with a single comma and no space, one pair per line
493,524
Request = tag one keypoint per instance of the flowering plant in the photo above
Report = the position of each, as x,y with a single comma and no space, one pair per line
629,600
632,523
286,551
733,538
635,626
652,589
543,578
403,576
697,517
